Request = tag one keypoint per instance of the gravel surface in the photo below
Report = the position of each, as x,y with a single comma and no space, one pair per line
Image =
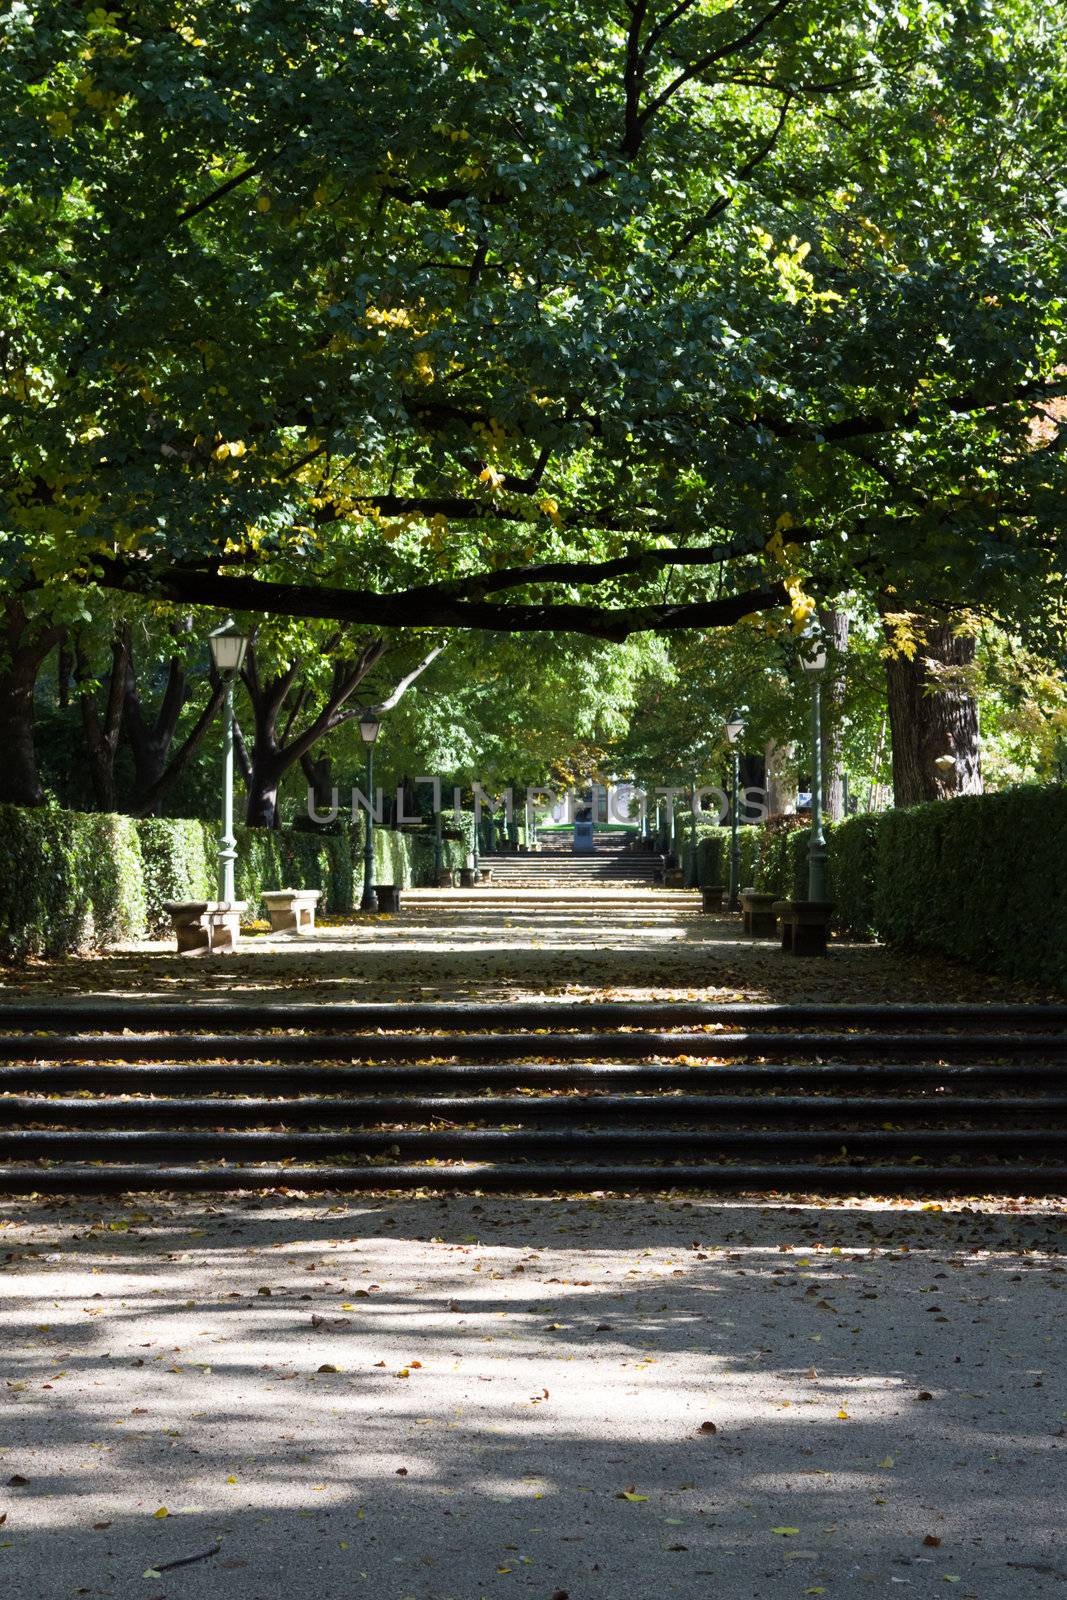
603,1399
490,944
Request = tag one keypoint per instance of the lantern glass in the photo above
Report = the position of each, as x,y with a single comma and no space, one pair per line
813,652
228,645
735,726
368,727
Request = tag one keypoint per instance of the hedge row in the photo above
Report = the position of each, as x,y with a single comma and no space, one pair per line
73,880
982,878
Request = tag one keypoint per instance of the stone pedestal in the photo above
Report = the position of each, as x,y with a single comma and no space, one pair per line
388,897
805,925
757,914
712,895
205,927
291,910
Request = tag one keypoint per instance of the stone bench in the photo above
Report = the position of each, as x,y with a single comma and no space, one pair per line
203,927
757,914
291,910
468,878
673,878
712,895
446,878
805,925
388,895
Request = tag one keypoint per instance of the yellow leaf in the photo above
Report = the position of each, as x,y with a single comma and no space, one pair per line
785,1531
628,1495
888,1462
162,1512
843,1415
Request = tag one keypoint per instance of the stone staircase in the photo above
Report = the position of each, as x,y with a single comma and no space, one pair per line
534,1097
555,866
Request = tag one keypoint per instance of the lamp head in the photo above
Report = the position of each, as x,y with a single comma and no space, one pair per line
813,652
735,725
228,645
368,726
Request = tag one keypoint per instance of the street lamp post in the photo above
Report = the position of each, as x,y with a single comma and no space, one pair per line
368,728
813,659
735,727
228,645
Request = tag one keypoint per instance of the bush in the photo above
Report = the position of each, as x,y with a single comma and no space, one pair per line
69,880
177,860
982,878
115,876
74,880
850,869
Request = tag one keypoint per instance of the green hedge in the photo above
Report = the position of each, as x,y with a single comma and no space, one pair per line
850,870
72,880
982,878
178,863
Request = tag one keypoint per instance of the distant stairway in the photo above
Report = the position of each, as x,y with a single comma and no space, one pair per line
556,866
534,1097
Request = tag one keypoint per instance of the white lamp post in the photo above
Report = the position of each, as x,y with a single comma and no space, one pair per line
813,660
228,645
735,727
368,728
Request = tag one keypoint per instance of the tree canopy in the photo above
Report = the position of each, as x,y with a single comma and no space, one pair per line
544,316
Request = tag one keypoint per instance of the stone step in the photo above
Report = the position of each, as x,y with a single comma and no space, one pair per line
870,1098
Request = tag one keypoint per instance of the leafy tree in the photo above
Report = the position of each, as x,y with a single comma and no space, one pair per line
588,320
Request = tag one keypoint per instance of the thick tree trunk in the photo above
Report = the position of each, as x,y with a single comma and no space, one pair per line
150,742
155,769
102,733
22,653
262,808
318,770
780,761
933,714
836,627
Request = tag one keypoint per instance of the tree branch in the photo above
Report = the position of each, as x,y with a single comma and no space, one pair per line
360,607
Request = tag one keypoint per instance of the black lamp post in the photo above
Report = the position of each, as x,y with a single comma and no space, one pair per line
735,727
228,645
368,727
813,660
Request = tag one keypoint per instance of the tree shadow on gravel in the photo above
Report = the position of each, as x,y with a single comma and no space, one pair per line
412,1397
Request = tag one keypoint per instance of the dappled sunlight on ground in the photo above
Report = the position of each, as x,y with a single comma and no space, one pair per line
434,1397
495,943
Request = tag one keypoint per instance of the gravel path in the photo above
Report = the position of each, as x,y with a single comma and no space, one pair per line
498,944
607,1400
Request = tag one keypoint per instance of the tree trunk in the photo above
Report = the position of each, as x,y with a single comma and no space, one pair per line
318,770
102,733
262,808
22,652
932,713
780,761
155,770
836,627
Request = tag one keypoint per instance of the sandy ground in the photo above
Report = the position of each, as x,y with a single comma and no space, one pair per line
491,944
451,1398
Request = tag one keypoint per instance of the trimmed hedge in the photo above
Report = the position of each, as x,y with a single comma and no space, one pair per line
982,878
72,880
177,863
